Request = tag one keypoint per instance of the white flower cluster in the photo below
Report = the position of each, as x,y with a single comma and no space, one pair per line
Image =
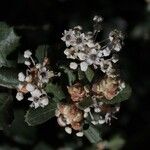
33,81
101,113
83,48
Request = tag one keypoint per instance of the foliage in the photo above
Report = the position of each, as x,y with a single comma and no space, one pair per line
40,115
6,112
56,93
8,43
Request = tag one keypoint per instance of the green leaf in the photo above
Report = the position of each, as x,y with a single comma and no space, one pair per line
6,112
41,52
21,59
8,43
81,74
87,102
55,90
70,74
8,147
92,134
8,77
42,146
89,74
40,115
122,96
116,142
19,131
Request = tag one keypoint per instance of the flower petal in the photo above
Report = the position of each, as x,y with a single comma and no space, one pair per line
73,65
83,66
82,56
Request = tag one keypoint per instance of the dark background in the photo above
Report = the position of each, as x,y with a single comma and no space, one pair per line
43,21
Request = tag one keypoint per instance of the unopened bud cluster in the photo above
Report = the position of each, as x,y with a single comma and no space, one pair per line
70,117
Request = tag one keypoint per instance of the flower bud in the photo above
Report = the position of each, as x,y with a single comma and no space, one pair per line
77,92
107,88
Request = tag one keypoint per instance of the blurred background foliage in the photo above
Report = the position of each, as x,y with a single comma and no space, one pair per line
42,22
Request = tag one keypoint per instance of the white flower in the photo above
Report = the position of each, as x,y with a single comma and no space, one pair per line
81,55
90,43
89,36
68,121
114,58
27,54
111,38
94,122
87,110
79,134
85,115
122,85
108,118
101,121
71,53
68,130
68,37
30,87
92,57
28,78
97,19
38,102
117,47
34,104
106,66
78,28
43,75
51,74
44,101
106,51
61,121
115,35
20,86
36,93
100,54
21,76
28,63
19,96
73,65
97,110
79,41
84,66
117,108
97,46
57,113
67,52
38,66
39,99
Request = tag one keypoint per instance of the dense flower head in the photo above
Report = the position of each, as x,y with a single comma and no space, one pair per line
77,92
108,87
70,117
